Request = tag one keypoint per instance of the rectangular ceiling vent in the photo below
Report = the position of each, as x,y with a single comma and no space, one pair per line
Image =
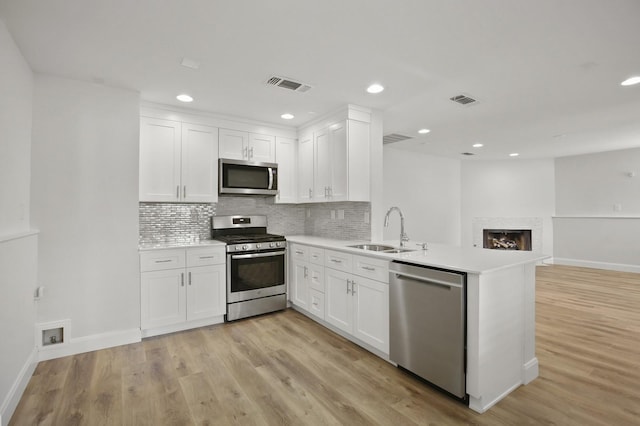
287,83
394,137
464,99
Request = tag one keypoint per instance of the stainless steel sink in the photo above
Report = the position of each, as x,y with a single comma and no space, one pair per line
381,248
373,247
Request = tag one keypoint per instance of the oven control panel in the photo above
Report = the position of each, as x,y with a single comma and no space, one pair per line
232,248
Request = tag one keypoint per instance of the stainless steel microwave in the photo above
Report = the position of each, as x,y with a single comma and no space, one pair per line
247,178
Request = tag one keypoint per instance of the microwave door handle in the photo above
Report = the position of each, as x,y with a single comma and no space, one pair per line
270,178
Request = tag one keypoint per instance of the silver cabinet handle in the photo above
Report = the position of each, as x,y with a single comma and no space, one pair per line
325,192
310,193
251,152
184,192
368,268
182,279
178,191
189,278
299,252
335,260
162,261
353,287
207,257
245,152
306,272
348,290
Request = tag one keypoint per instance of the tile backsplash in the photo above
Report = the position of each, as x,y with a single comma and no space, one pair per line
182,222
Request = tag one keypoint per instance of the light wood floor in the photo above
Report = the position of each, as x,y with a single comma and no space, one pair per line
285,369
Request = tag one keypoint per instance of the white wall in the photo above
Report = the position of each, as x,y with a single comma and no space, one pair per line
85,203
18,247
514,188
592,184
589,230
427,190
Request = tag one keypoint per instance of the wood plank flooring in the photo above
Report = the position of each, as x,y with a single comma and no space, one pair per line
283,369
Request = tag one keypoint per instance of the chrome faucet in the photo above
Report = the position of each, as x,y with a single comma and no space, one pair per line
403,236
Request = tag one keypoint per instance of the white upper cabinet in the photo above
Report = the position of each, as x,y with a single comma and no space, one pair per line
286,157
238,145
305,167
160,145
178,161
199,163
262,148
333,163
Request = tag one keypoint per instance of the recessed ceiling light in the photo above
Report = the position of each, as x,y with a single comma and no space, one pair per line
631,81
184,98
190,63
513,154
287,116
375,88
477,145
423,131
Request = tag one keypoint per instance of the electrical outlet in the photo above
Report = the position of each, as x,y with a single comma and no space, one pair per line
341,214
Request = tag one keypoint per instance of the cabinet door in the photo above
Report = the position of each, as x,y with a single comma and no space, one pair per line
338,162
233,144
371,312
199,163
321,165
300,284
286,154
163,298
206,292
338,300
159,160
305,168
262,148
359,161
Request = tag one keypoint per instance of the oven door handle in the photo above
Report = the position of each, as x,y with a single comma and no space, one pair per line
252,255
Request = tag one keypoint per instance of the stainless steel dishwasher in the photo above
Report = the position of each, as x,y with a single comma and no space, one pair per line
427,310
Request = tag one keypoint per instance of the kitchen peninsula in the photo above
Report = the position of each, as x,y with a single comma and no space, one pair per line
500,303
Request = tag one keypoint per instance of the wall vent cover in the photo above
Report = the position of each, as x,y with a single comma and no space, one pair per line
287,83
464,99
394,137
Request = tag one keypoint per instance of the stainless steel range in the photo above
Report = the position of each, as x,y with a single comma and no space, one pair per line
256,264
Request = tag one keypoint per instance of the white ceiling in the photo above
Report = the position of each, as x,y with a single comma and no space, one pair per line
546,73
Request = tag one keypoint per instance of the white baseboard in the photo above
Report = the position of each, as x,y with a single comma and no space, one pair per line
597,265
91,343
17,389
182,326
530,370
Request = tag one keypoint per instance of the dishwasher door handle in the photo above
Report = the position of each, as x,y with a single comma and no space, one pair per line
427,280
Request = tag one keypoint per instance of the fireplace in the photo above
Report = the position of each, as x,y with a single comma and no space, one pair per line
507,239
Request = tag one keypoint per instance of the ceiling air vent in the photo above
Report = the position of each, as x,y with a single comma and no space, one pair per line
464,99
393,138
287,83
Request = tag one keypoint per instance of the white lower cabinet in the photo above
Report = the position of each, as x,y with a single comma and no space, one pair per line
181,289
351,293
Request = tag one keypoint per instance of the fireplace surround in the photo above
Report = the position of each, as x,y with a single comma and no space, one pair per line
507,239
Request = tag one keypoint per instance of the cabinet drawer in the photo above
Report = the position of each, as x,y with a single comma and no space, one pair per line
316,256
369,267
338,260
316,278
316,307
205,256
158,260
299,252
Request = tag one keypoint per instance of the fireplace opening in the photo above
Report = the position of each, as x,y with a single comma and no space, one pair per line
507,239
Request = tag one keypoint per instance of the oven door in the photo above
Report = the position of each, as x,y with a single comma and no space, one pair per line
255,275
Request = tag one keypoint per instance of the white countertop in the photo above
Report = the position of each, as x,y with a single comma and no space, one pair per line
175,244
471,260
